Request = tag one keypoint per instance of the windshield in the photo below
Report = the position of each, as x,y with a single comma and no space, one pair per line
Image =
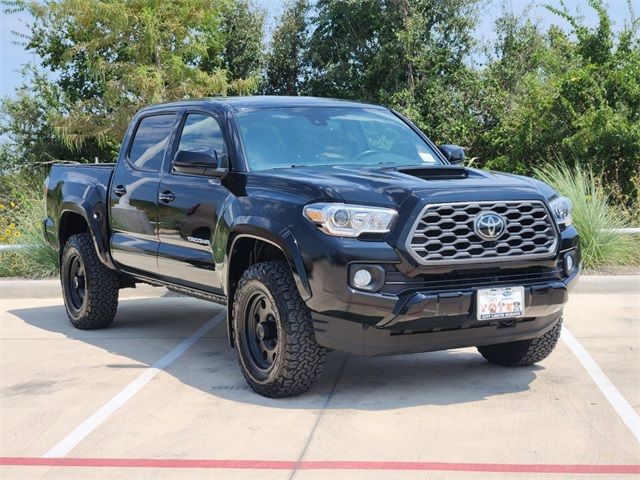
285,137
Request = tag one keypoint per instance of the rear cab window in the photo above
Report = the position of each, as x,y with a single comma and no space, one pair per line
150,141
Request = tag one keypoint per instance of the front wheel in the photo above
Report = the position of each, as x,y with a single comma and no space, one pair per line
273,333
89,288
524,352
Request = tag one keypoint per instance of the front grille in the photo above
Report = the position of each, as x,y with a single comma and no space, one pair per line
444,233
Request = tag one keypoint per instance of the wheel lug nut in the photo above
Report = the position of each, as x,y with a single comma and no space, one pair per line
260,331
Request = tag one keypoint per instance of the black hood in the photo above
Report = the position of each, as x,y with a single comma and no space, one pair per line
384,186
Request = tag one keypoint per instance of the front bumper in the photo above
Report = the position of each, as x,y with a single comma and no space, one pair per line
423,321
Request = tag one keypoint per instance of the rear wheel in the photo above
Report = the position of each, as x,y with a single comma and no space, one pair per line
89,288
524,352
273,333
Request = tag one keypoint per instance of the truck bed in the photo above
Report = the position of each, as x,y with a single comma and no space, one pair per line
76,187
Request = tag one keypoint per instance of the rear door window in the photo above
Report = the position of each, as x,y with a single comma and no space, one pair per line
150,142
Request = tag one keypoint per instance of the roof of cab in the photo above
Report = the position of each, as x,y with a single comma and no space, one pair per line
263,101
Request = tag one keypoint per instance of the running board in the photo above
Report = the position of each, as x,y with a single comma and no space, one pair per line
191,292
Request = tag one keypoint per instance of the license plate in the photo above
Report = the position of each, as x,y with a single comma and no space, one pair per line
498,303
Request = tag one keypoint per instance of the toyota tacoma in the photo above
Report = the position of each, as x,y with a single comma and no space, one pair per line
321,225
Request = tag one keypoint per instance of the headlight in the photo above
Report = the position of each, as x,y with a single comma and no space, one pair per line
343,220
561,208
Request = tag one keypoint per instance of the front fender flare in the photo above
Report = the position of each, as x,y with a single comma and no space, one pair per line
278,235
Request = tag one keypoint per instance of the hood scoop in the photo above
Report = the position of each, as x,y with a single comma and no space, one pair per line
437,172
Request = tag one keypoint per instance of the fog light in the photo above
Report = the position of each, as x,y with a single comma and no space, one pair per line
366,277
362,278
569,263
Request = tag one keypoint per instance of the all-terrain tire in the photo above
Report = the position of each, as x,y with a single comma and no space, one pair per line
297,360
96,306
524,352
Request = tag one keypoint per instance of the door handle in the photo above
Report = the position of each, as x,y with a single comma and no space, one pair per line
167,196
120,190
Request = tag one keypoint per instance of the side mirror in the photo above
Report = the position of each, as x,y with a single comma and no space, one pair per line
196,163
453,153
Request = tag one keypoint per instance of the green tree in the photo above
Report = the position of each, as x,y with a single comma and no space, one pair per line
27,123
408,54
285,61
242,27
511,83
113,57
349,44
565,94
438,88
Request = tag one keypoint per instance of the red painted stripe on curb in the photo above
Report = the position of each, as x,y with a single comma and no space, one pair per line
317,465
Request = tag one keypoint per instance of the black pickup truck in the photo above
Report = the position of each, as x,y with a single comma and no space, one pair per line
320,224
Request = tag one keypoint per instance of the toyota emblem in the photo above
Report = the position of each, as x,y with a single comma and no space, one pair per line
489,226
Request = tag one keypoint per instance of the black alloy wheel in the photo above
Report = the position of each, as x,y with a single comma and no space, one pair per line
260,326
76,282
90,289
273,332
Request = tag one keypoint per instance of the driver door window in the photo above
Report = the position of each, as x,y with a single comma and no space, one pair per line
201,133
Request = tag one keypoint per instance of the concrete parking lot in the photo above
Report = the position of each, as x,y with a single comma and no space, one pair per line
159,395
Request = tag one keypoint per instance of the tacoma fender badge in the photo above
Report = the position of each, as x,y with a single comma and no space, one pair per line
201,241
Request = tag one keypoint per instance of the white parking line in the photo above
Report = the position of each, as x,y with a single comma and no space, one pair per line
90,424
615,398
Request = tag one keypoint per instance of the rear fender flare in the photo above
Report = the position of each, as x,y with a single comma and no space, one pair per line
95,215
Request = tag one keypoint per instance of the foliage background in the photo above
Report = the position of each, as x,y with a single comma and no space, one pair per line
530,97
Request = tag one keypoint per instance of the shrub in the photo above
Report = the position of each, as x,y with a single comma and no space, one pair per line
21,215
593,215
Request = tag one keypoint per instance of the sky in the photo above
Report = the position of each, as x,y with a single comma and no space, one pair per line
13,56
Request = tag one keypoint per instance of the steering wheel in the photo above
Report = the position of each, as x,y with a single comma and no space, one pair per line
366,153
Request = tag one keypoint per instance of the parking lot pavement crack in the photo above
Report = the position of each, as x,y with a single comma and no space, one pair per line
294,471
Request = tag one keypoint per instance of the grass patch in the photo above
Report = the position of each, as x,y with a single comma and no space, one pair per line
21,215
594,216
